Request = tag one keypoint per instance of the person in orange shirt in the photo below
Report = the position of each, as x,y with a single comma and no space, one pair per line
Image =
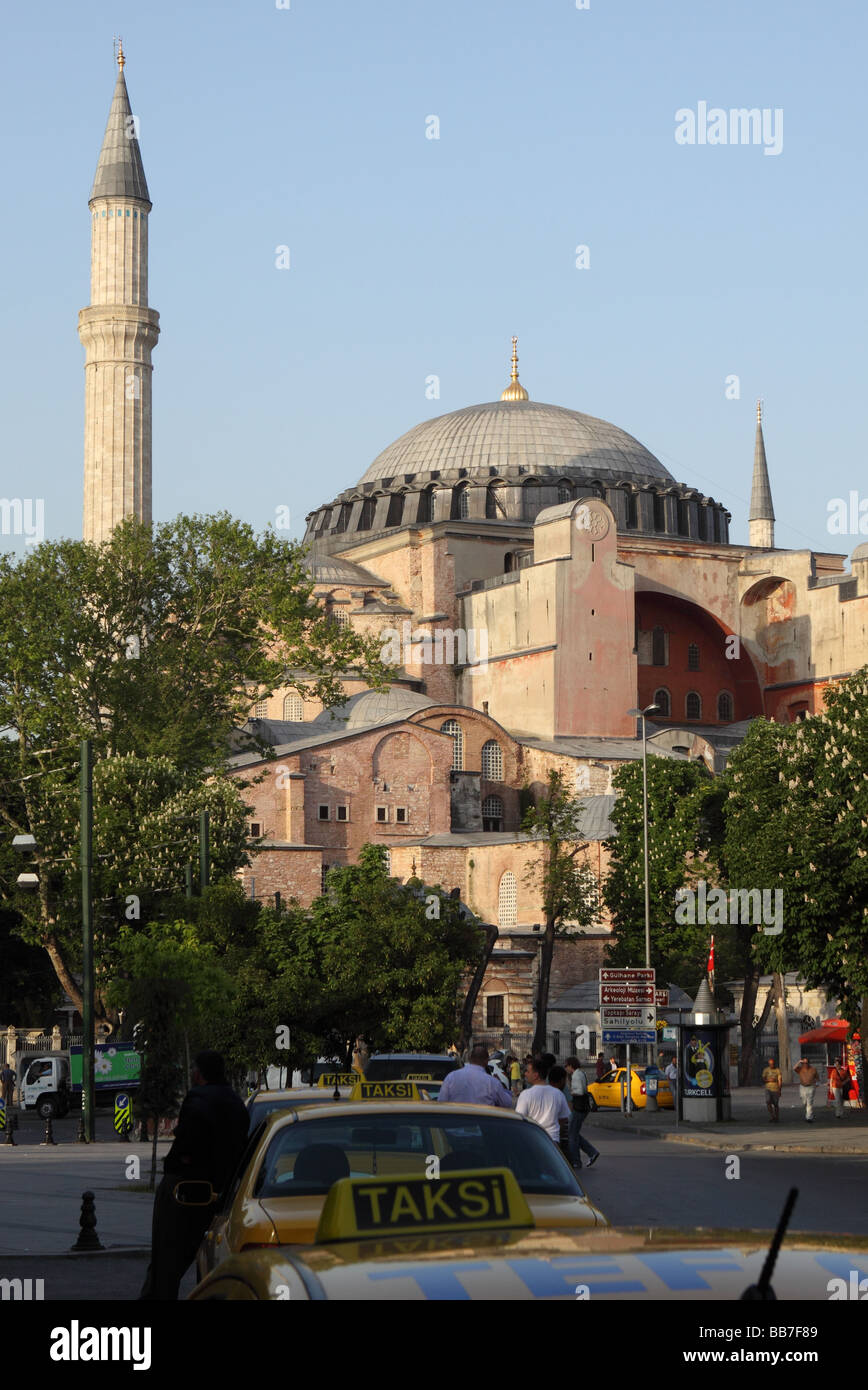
773,1081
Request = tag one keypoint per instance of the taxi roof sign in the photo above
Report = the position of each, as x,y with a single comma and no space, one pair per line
468,1199
385,1090
338,1078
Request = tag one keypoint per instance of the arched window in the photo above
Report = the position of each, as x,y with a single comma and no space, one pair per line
661,698
725,707
426,506
692,656
693,706
659,512
507,901
492,813
460,504
340,617
658,647
323,521
396,509
632,510
453,728
366,515
260,709
494,508
703,523
492,761
683,517
343,520
565,492
293,707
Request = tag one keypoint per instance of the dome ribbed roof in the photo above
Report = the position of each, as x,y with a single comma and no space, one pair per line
527,434
374,707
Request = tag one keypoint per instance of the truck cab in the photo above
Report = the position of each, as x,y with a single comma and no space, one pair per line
44,1086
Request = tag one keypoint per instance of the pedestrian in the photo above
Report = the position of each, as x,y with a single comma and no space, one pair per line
473,1085
209,1139
580,1104
548,1060
838,1077
361,1056
514,1074
557,1077
773,1081
543,1103
7,1085
453,1051
601,1066
528,1058
808,1078
613,1064
671,1074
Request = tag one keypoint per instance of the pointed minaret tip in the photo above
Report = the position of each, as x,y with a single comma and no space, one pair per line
121,58
761,520
119,171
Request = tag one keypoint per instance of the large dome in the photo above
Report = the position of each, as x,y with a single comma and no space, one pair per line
486,439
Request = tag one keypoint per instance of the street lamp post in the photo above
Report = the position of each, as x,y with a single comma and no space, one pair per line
87,982
640,714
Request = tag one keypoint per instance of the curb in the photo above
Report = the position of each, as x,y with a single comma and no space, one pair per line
722,1144
122,1252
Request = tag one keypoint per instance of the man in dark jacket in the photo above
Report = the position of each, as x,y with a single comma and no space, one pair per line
209,1138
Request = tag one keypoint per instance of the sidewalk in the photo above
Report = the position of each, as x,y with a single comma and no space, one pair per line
750,1126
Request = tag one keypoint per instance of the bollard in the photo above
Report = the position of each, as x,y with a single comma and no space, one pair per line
82,1137
10,1130
87,1236
49,1134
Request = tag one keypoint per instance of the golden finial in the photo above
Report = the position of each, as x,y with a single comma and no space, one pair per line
759,412
120,54
514,391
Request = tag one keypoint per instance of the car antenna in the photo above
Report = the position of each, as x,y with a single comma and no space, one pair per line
763,1291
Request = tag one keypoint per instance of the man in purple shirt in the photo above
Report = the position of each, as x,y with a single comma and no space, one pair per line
472,1084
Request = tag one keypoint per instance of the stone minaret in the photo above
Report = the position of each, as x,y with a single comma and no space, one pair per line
761,522
118,331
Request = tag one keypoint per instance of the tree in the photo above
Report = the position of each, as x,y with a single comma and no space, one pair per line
153,645
567,886
387,969
157,1004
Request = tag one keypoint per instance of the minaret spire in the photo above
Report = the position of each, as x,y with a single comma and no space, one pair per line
514,391
118,330
761,521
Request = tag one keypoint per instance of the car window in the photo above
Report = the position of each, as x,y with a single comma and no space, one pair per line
398,1068
609,1076
307,1158
228,1195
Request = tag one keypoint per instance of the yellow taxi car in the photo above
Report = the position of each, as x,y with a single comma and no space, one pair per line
296,1156
607,1092
264,1103
472,1235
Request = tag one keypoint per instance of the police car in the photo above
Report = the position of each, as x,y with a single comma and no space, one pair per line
296,1156
472,1235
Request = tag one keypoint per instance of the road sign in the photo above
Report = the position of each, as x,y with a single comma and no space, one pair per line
642,1018
626,1035
661,998
640,993
626,975
122,1113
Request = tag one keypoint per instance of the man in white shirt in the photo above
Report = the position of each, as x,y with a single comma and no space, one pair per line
472,1085
543,1103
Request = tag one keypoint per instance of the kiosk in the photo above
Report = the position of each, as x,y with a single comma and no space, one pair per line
703,1066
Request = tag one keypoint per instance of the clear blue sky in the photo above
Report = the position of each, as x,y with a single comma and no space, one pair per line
410,256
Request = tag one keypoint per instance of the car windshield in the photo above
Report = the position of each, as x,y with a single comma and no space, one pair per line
409,1068
308,1157
258,1109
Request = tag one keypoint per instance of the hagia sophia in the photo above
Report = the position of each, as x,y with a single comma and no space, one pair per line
547,575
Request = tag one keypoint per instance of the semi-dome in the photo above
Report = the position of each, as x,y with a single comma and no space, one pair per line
506,434
374,707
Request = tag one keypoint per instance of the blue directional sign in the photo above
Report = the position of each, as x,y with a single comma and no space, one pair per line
624,1035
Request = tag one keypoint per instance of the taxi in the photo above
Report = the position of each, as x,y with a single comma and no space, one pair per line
263,1103
471,1234
608,1090
295,1157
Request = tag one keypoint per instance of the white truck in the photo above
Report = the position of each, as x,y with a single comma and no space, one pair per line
50,1083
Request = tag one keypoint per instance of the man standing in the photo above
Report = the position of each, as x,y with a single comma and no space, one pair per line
581,1104
473,1085
514,1074
671,1074
209,1139
773,1081
7,1085
601,1066
808,1077
837,1076
543,1103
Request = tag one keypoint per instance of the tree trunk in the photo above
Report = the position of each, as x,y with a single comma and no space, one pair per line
749,1033
466,1025
546,955
62,973
780,1003
155,1121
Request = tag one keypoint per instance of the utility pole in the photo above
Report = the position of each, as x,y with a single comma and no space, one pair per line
87,983
204,852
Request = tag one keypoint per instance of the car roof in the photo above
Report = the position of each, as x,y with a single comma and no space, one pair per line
432,1056
422,1109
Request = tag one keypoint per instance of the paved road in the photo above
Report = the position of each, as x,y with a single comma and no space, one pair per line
642,1182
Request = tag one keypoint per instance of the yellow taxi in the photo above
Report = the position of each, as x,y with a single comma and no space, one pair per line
296,1156
607,1092
472,1235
